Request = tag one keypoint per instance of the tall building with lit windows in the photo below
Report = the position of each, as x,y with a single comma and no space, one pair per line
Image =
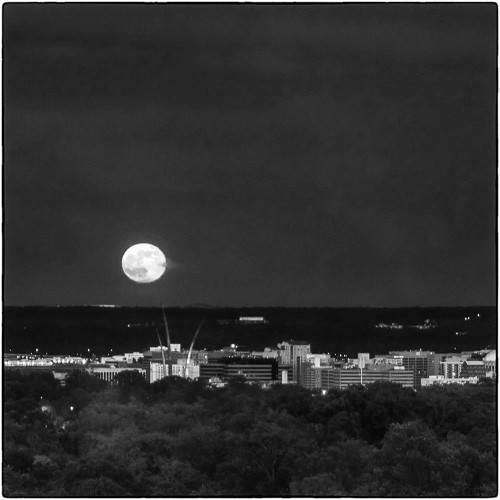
294,352
451,366
419,362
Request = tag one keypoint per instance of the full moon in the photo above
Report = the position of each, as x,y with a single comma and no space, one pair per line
144,263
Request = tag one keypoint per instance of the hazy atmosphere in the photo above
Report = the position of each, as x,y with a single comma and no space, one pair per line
315,155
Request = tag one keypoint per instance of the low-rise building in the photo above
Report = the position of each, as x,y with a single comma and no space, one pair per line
173,348
442,380
41,361
340,378
109,373
343,378
258,370
128,357
266,353
474,368
318,359
157,370
251,320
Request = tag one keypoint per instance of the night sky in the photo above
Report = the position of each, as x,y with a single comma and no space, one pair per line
279,155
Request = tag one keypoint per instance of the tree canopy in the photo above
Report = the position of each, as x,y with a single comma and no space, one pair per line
180,438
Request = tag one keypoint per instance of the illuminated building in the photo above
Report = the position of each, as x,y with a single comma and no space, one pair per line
198,357
312,375
419,362
294,352
341,378
108,374
128,357
179,369
244,320
451,366
442,380
385,359
257,370
318,359
27,362
285,374
266,353
251,320
173,348
212,370
474,368
42,361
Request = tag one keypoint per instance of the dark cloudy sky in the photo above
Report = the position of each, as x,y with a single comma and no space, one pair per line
338,155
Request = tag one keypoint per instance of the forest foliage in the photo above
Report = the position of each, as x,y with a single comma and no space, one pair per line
178,437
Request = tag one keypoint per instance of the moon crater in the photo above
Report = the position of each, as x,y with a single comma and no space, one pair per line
144,263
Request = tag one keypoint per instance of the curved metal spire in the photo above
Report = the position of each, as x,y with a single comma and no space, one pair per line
169,357
162,353
194,338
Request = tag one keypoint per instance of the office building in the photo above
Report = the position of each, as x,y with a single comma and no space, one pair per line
294,352
318,359
266,353
451,366
341,378
179,369
363,359
419,362
173,348
212,370
128,357
251,320
285,374
109,373
442,380
252,369
474,368
312,376
386,359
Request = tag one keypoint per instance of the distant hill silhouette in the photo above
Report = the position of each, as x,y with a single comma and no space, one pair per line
199,306
73,330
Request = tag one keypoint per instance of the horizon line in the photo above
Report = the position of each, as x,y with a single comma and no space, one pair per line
210,306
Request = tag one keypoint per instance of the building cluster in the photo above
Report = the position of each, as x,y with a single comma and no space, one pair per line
428,324
290,362
244,320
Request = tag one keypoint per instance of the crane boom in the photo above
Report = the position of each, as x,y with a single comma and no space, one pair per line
194,338
169,357
162,353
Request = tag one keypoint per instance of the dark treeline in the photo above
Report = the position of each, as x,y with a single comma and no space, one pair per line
72,330
181,438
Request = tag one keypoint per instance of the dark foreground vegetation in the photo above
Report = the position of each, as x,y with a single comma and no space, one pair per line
181,438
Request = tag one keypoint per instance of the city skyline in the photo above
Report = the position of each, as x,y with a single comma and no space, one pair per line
279,155
290,362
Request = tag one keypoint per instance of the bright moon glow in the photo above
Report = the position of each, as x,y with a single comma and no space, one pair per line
144,263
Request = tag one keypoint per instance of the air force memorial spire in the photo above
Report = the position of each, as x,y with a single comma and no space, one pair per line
145,263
